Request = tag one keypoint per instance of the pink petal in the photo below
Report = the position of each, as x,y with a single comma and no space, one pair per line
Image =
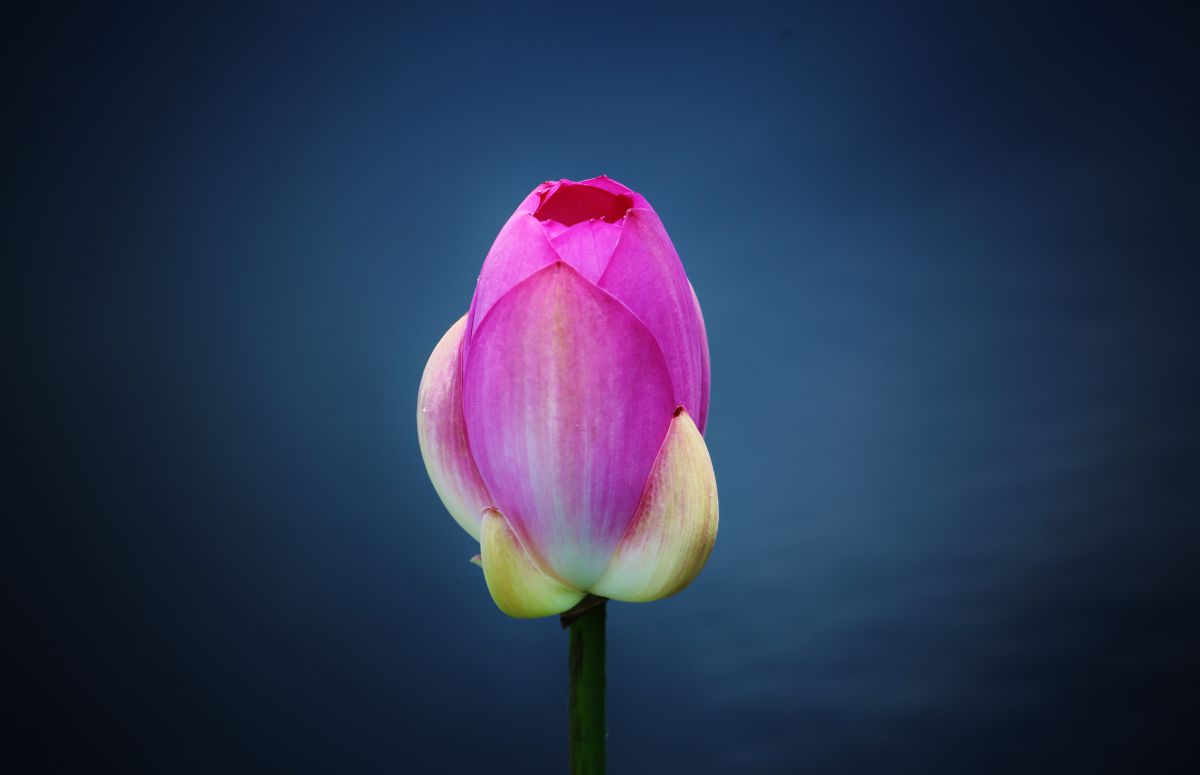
567,402
520,249
442,433
646,275
587,246
705,367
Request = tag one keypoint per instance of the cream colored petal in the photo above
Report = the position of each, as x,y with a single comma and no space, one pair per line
442,433
518,587
673,532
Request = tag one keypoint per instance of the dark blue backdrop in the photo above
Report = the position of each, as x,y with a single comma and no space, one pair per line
948,260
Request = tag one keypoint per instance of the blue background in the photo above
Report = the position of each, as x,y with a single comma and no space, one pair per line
948,261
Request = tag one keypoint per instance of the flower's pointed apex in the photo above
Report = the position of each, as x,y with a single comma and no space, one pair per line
519,588
476,560
672,534
442,433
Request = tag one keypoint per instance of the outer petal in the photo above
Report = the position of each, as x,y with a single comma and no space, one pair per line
442,432
705,368
645,273
520,249
676,525
567,401
516,584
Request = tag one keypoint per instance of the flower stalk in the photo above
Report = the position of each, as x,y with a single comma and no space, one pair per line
585,701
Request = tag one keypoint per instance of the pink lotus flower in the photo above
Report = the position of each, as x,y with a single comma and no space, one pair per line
561,418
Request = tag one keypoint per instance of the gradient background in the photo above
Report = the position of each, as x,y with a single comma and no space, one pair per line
948,261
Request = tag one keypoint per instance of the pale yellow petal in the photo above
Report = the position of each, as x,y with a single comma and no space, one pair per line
518,586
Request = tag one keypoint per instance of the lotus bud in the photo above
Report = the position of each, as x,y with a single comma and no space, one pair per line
562,418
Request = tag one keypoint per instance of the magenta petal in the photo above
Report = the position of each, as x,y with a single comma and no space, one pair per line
587,246
520,249
645,273
567,400
705,367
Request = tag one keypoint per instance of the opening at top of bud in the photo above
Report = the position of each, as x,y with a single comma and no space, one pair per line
569,203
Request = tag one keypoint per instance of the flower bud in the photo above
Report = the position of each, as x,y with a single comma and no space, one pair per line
561,420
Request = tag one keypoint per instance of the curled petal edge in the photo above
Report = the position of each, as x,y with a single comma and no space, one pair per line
518,587
673,531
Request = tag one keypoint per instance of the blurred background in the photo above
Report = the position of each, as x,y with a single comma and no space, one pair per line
948,261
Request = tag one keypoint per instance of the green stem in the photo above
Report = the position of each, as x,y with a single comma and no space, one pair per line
586,687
